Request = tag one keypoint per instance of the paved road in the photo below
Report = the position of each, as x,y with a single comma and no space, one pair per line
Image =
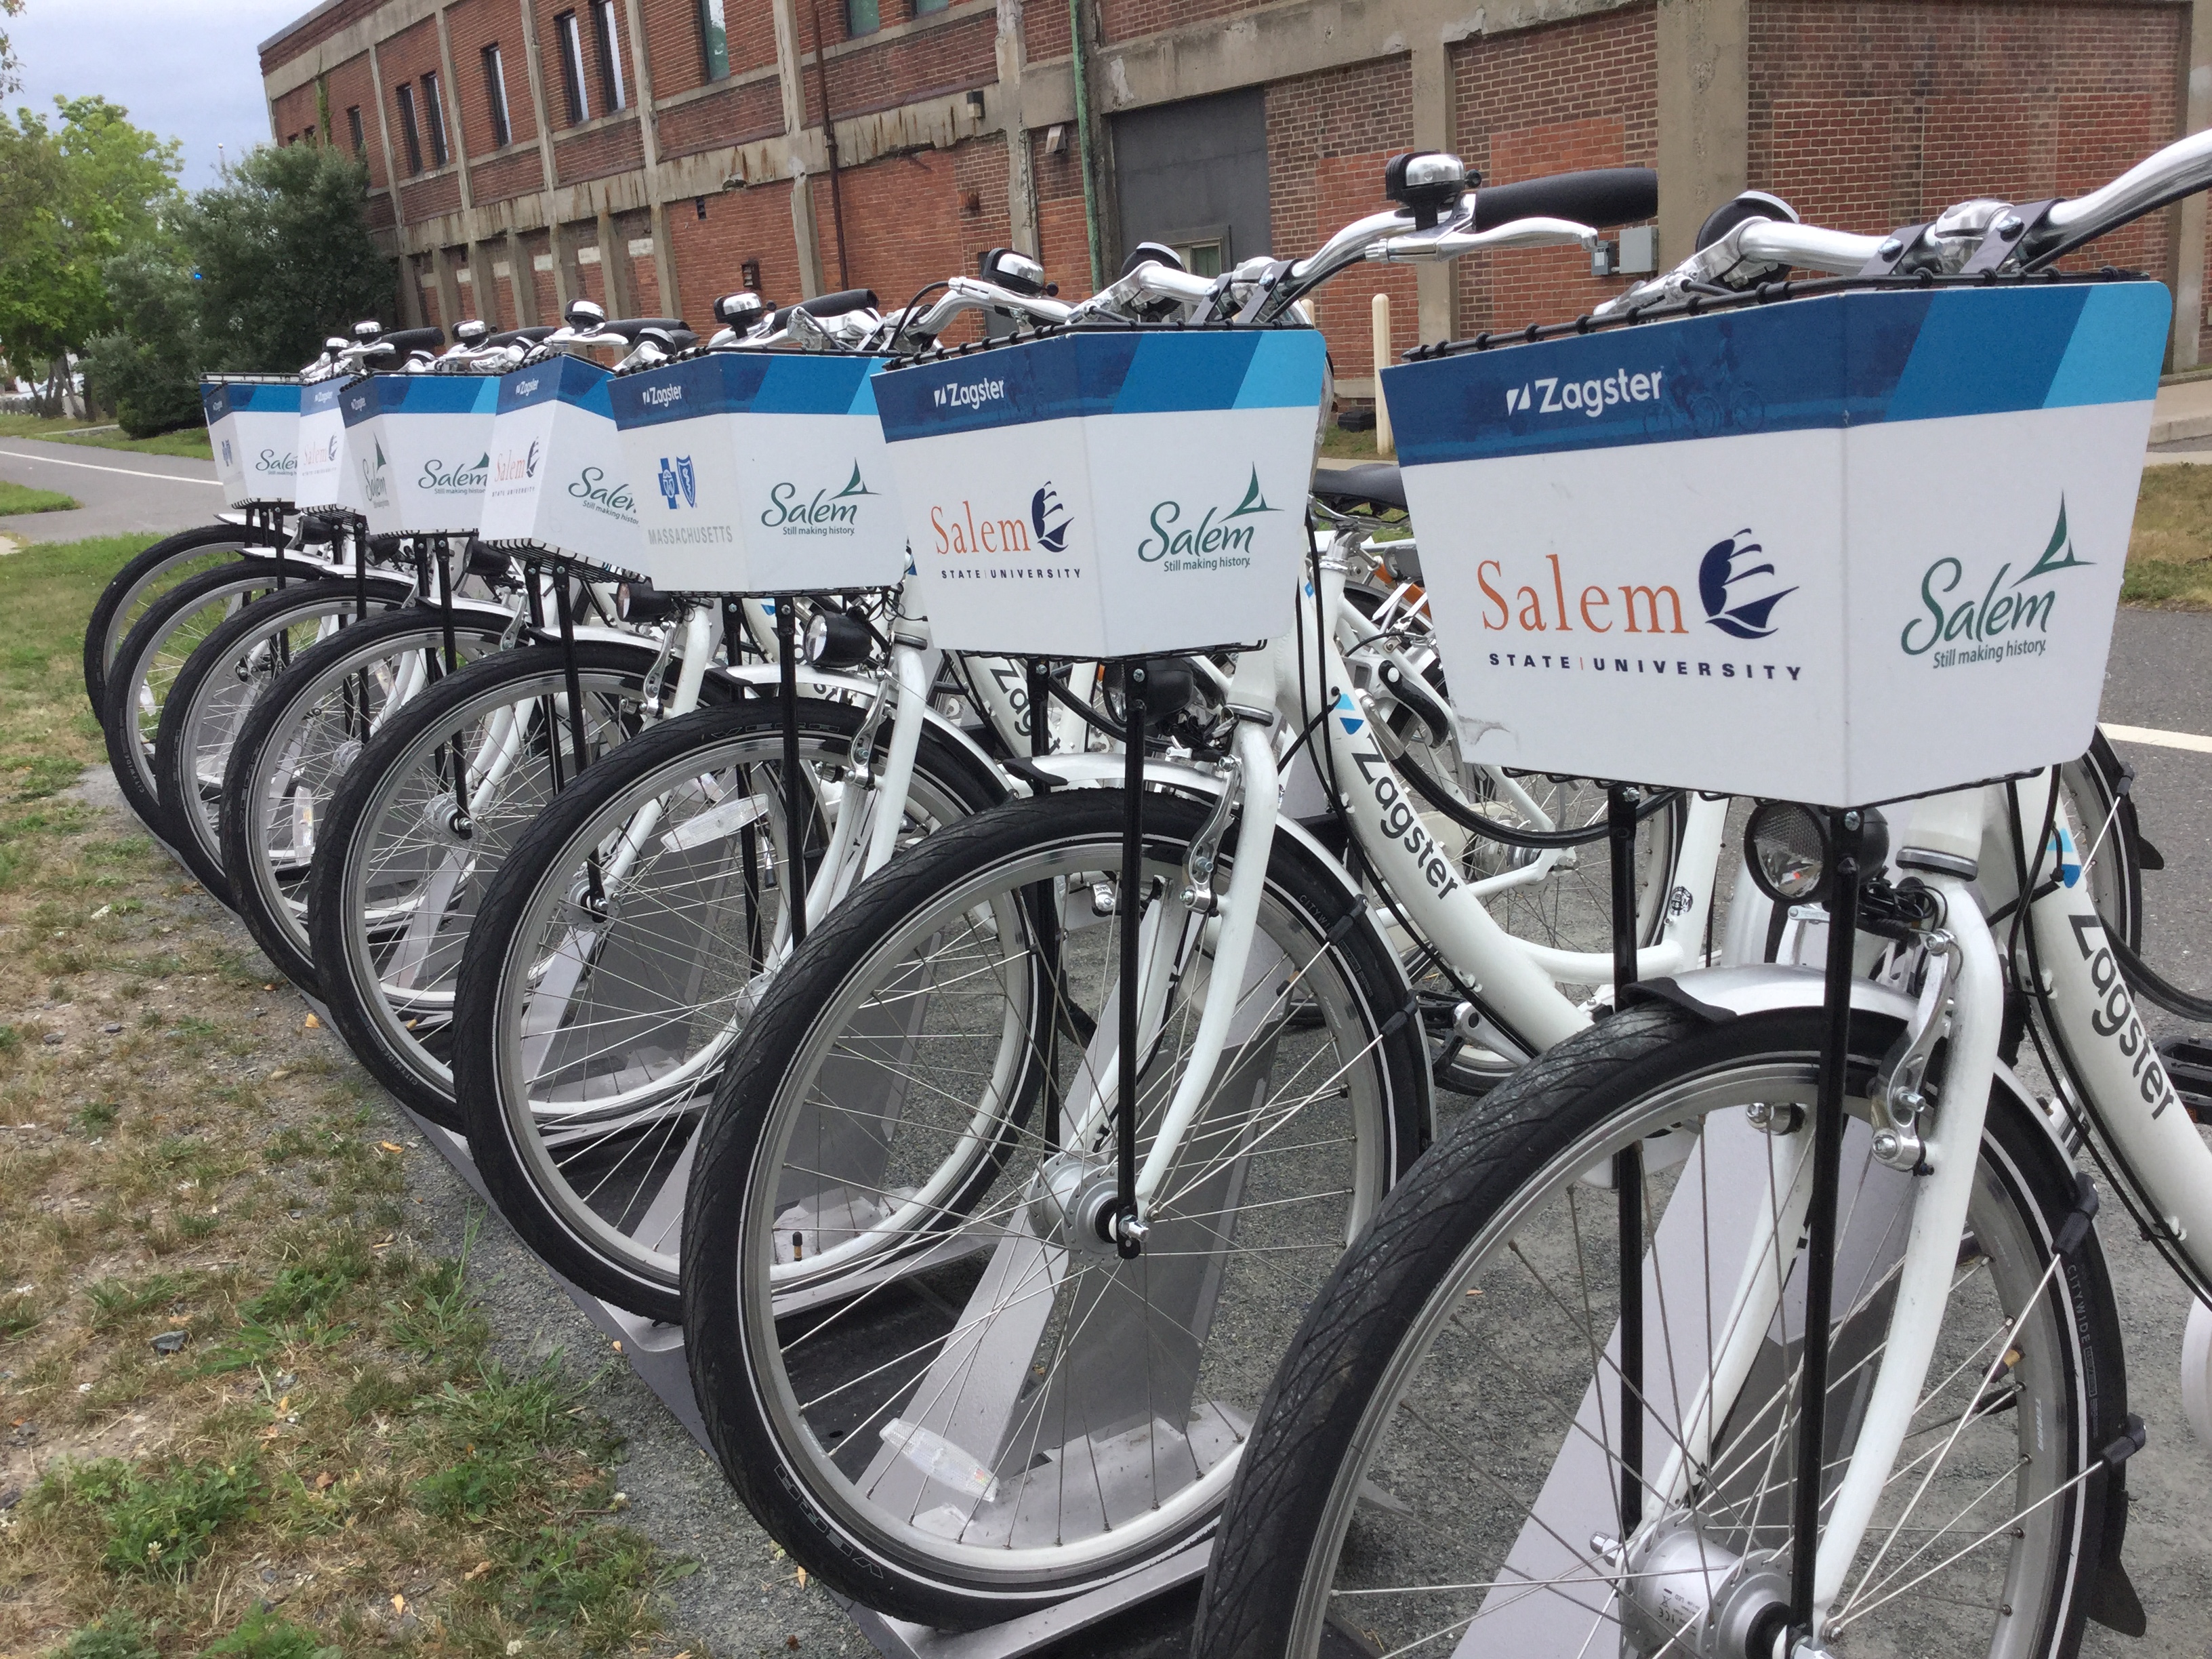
745,1599
123,491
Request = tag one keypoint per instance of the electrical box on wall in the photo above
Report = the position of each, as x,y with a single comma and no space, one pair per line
1639,251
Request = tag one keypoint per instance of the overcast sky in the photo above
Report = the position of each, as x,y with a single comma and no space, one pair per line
184,68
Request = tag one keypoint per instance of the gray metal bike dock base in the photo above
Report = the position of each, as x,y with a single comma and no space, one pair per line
655,1353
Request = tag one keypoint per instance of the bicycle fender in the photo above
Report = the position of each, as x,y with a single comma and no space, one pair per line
1718,994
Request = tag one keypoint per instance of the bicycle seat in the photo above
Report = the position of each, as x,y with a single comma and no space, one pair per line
1375,483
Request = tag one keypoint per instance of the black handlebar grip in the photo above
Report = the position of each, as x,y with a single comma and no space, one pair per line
1599,198
836,305
519,336
414,339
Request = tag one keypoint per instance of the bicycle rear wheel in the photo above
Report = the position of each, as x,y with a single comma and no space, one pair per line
626,940
144,580
921,1368
1438,1467
156,651
295,749
218,687
399,868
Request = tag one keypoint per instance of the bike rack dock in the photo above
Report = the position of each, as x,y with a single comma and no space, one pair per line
655,1353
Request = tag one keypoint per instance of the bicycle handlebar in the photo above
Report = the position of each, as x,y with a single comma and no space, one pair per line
1600,196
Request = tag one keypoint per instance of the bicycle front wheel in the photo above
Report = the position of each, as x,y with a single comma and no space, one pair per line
1440,1470
929,1376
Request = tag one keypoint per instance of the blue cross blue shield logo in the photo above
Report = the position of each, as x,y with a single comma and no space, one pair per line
676,478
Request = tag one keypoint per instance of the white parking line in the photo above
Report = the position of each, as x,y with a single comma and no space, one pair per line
2162,740
127,471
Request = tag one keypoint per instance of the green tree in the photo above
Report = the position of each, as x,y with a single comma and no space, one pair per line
72,197
10,75
148,369
285,256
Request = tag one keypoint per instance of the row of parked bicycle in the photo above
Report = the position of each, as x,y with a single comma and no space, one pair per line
960,871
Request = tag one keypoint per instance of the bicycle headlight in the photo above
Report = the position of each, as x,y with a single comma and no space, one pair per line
1792,856
835,639
1786,846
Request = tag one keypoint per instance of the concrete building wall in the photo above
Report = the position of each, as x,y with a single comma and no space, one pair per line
956,132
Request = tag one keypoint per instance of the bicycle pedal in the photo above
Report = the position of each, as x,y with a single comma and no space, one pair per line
2189,1064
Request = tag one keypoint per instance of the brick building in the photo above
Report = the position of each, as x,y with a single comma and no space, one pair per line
651,154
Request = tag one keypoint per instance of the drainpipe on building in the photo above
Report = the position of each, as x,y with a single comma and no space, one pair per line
829,138
1083,144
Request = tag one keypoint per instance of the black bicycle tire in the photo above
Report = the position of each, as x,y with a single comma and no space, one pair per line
119,717
133,577
507,903
749,1450
328,891
339,595
1354,1329
241,795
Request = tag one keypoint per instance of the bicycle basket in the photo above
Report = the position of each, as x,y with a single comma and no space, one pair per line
761,473
1108,492
253,427
423,444
1840,548
557,479
327,480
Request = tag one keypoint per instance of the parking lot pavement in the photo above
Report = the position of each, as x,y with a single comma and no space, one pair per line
124,492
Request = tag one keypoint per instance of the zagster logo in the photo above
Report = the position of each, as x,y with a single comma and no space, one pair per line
1992,624
974,396
1215,541
1736,614
1552,395
678,479
661,396
1051,518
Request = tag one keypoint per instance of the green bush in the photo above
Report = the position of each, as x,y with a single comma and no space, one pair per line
148,370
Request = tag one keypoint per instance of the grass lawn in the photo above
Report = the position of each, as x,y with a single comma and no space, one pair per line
241,1411
22,498
2169,555
191,441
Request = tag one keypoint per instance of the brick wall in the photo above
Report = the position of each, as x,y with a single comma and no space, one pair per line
1328,136
350,88
472,25
740,225
1575,95
1126,20
617,147
294,115
512,173
913,220
928,63
1878,114
335,21
734,115
1063,236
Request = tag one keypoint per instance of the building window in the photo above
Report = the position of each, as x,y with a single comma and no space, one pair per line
606,46
433,111
923,8
352,132
407,129
495,94
862,17
571,67
713,41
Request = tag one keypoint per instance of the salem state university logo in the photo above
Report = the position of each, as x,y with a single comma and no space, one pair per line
1743,614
